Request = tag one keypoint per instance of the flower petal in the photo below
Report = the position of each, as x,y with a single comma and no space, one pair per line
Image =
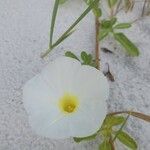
60,73
94,83
39,99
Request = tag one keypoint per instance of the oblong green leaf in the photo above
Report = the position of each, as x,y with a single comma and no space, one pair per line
131,49
122,26
62,38
70,54
84,56
106,24
127,140
88,138
97,12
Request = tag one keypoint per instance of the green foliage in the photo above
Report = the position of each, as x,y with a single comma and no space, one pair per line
120,129
109,26
130,48
96,9
88,138
97,12
55,10
127,140
105,145
106,24
69,31
113,120
108,132
70,54
106,27
86,59
122,26
109,123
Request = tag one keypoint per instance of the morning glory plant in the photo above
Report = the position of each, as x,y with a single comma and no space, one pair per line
68,98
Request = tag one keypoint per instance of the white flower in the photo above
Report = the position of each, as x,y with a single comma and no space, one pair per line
66,99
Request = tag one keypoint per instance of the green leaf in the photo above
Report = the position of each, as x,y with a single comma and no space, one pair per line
62,38
70,54
109,123
103,33
106,28
54,14
113,21
127,44
122,26
88,138
127,140
87,58
84,56
105,146
106,24
113,120
97,12
112,3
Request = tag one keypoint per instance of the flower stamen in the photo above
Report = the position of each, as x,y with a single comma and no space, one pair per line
68,103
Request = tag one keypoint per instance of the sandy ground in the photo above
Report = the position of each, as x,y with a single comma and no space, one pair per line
24,26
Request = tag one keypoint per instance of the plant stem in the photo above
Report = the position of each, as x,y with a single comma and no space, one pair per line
97,43
111,143
143,9
135,114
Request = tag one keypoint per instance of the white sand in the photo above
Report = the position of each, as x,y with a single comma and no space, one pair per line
24,27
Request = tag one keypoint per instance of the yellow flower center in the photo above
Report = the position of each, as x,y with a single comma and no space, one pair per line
68,103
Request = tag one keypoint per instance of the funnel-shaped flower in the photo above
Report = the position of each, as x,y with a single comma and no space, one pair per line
66,99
